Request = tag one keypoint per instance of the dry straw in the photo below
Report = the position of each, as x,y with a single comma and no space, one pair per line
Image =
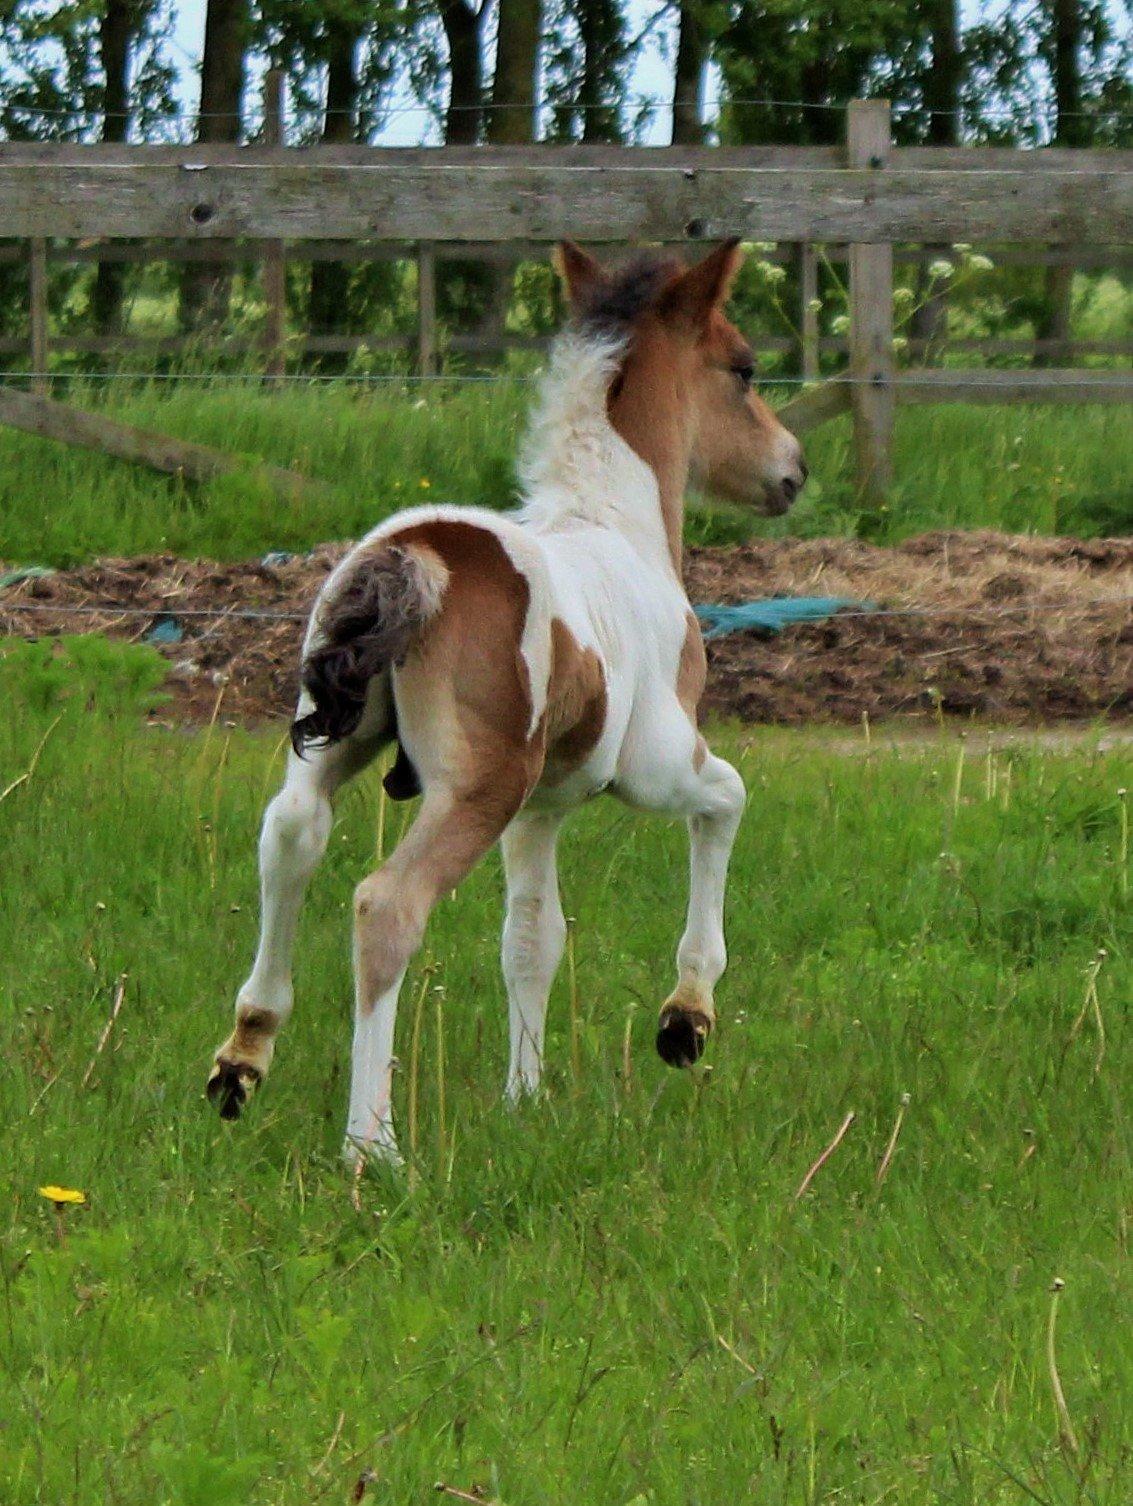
115,1010
1123,844
414,1063
1066,1434
1092,1005
826,1154
575,1025
887,1158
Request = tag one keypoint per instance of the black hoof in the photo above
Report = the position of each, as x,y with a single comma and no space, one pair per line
402,783
229,1088
681,1038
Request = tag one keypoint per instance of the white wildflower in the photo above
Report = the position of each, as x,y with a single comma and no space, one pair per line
903,296
981,263
940,269
961,248
841,324
814,305
900,343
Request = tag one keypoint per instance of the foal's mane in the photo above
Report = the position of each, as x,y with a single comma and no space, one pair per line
616,303
573,463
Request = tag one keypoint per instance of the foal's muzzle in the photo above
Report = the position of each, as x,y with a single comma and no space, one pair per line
782,493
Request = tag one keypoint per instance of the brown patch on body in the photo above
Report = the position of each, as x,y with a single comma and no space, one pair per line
692,671
468,663
576,703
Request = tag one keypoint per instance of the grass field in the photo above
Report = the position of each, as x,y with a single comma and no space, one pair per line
1043,470
612,1295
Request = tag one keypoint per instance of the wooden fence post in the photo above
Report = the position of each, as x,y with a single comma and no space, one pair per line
807,264
37,312
871,317
275,270
426,309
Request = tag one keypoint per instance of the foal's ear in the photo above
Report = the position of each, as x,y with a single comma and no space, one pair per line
692,297
582,276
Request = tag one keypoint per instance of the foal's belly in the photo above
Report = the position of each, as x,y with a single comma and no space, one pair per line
565,785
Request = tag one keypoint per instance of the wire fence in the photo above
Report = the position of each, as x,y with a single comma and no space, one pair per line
1038,120
1006,113
975,380
845,614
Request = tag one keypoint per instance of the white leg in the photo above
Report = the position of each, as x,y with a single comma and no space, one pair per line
716,804
391,908
533,938
369,1124
292,842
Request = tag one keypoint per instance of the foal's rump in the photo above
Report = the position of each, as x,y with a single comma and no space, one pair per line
371,611
447,612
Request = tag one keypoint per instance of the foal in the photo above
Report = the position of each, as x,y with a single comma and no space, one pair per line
525,662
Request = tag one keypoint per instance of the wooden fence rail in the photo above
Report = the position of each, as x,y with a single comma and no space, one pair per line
1055,207
264,197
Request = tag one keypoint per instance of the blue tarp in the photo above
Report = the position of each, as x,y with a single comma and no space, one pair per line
773,614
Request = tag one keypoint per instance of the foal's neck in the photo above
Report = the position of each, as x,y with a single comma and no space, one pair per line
647,411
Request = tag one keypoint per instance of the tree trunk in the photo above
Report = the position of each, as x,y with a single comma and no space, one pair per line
115,34
511,122
328,309
688,78
1068,27
205,290
512,117
942,100
598,25
463,28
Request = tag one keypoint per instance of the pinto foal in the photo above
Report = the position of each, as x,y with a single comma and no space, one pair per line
524,663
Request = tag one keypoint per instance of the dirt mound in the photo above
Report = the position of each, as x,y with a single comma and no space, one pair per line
1013,628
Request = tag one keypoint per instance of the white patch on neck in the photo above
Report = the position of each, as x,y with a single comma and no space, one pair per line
576,470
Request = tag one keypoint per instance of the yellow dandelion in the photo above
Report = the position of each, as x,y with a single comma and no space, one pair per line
61,1195
424,483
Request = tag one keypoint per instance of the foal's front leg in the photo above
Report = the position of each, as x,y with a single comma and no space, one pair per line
714,801
292,841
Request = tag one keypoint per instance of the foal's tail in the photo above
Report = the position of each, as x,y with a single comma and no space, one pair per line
374,610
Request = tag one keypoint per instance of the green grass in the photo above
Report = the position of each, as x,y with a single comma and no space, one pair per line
611,1295
1044,470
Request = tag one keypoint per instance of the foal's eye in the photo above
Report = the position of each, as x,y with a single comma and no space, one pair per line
745,373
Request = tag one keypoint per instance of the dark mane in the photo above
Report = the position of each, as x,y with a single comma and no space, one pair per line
621,300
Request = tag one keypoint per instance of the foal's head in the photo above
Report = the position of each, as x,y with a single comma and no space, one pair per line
684,394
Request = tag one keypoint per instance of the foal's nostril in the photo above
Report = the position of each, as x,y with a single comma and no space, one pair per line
790,489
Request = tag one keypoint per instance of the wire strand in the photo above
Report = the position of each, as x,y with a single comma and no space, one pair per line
1001,112
846,615
89,609
956,378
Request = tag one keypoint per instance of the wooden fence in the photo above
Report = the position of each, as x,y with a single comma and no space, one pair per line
861,202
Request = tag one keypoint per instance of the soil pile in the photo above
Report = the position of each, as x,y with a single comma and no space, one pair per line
1017,629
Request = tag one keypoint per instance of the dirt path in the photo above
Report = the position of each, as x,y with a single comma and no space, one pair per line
1018,629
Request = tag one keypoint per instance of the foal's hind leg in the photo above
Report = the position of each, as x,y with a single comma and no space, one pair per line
292,841
533,940
453,830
